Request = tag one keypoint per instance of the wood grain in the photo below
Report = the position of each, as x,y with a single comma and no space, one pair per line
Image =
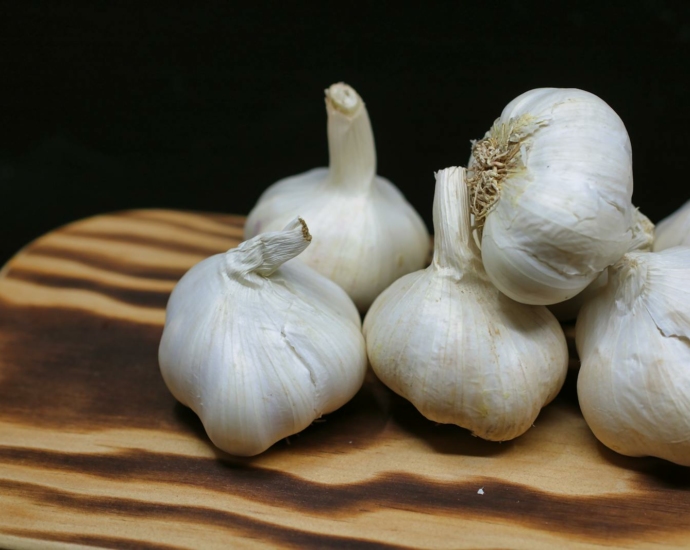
95,452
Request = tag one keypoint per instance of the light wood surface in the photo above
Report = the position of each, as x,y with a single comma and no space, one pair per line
95,452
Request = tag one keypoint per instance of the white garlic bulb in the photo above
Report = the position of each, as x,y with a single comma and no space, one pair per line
643,239
366,233
551,184
674,230
259,348
463,353
633,339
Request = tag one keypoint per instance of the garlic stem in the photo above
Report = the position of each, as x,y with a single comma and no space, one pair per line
453,243
350,140
266,252
628,277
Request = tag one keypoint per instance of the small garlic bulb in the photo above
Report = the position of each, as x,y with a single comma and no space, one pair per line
259,348
674,230
463,353
633,339
366,233
551,184
643,239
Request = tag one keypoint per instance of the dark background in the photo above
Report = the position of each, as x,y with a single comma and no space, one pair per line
116,105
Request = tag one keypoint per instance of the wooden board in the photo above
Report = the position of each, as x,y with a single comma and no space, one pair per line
95,452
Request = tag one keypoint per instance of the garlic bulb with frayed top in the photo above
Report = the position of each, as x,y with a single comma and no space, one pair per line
633,339
258,347
462,352
551,185
366,234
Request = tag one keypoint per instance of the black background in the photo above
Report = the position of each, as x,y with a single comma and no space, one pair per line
199,105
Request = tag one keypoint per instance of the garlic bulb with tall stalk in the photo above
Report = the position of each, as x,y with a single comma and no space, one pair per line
674,230
633,339
551,184
366,234
643,239
260,346
462,352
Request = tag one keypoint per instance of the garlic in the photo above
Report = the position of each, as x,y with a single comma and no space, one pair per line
366,233
463,353
633,338
674,230
551,184
643,239
259,348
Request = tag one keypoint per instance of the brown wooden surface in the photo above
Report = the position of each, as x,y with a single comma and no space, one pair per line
95,452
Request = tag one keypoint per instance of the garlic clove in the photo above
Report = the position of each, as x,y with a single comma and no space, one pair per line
551,184
260,346
367,234
674,230
463,353
634,344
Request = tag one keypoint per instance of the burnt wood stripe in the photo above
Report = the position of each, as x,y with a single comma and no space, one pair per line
621,516
108,263
146,240
108,376
89,540
139,297
281,536
62,367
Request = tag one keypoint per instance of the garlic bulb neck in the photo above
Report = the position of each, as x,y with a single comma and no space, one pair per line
267,252
368,235
643,232
628,278
454,246
674,230
351,146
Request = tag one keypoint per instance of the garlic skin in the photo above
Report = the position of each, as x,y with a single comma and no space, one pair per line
551,183
366,234
643,240
259,348
674,230
448,341
634,344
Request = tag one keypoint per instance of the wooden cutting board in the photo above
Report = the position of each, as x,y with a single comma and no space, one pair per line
95,452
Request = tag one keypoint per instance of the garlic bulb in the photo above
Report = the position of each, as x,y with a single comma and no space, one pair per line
259,348
366,233
674,230
551,184
633,338
643,239
463,353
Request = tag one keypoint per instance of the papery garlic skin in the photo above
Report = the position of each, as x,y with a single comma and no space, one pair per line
633,339
643,240
366,233
552,184
447,340
673,230
259,348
